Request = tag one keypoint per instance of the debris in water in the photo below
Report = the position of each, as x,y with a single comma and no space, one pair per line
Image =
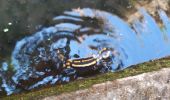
9,23
6,30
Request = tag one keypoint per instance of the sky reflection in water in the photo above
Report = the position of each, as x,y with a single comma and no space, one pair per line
144,42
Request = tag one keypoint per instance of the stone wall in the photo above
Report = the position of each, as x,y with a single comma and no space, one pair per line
147,86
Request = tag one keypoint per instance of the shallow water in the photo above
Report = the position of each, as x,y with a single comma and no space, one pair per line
80,33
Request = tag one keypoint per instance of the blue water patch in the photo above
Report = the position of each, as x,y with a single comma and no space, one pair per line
41,56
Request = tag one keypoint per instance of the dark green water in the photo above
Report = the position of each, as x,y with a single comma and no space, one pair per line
46,42
22,18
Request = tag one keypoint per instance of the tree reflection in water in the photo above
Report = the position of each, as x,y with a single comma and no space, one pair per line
39,58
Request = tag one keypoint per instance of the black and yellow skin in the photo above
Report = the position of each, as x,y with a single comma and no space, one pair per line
83,66
86,66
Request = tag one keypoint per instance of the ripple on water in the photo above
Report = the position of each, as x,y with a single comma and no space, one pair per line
39,58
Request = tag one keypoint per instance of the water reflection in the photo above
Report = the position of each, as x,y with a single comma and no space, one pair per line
39,58
29,16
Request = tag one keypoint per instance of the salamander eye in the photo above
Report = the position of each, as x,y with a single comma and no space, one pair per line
106,54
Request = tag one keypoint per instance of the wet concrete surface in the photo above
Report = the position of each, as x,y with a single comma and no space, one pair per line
147,86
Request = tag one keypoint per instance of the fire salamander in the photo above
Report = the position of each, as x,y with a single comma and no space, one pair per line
89,64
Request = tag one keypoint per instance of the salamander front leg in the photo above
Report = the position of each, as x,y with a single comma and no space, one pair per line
69,71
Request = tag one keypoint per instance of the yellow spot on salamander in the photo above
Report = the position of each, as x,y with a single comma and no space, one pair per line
76,61
84,65
87,60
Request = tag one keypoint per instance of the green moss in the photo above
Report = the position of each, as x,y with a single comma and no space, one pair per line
132,2
88,82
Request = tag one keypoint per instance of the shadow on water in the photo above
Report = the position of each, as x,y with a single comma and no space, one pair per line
98,40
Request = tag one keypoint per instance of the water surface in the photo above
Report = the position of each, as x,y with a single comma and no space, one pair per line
38,58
